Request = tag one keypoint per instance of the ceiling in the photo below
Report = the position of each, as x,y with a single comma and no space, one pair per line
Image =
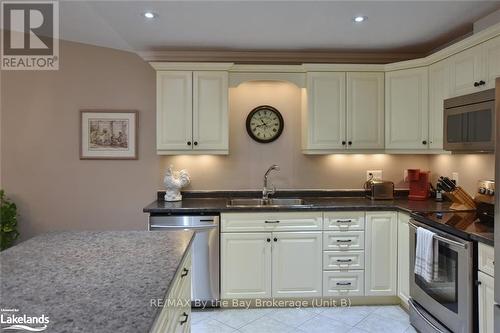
402,26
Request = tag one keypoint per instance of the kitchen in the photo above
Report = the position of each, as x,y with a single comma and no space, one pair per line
277,150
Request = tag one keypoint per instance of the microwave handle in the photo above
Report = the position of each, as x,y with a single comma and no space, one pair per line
443,239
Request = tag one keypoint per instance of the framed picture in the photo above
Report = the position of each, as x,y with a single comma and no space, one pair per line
108,134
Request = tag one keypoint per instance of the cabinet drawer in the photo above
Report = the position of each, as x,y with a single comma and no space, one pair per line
344,221
251,222
337,283
486,260
343,240
343,260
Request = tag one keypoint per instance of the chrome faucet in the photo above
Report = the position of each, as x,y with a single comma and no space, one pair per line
266,191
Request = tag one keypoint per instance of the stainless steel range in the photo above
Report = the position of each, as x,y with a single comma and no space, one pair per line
445,302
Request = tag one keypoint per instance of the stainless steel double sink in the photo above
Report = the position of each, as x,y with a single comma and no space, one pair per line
274,202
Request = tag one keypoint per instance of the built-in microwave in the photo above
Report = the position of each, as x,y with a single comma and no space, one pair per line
469,122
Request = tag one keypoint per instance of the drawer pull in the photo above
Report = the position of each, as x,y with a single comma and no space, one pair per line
185,272
344,240
344,221
185,319
343,283
344,260
272,221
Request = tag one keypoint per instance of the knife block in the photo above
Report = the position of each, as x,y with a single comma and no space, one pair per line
461,199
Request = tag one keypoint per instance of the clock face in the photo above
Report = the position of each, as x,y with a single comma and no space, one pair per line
264,124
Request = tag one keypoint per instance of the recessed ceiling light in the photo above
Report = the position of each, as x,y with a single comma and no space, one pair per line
150,15
359,19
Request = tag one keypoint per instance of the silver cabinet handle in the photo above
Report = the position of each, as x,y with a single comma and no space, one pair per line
344,260
343,283
344,240
272,221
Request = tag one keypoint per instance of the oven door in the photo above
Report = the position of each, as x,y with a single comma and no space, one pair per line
470,127
448,297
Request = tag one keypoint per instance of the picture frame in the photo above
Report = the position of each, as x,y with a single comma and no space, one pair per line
109,134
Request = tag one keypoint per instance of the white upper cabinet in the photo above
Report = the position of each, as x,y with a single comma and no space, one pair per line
467,71
492,55
365,110
210,110
406,117
344,111
174,110
381,254
325,114
439,90
192,112
476,68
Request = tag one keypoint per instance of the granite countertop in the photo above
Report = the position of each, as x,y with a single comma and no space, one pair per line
92,281
216,202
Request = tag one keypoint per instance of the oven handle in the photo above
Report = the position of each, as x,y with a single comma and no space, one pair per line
443,239
425,319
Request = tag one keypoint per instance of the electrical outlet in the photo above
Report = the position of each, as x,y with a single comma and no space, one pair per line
454,176
405,176
377,174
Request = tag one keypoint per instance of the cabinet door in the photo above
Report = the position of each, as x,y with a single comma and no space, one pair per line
297,264
381,258
210,110
492,61
439,86
365,110
404,258
406,118
246,265
486,302
467,69
174,92
326,111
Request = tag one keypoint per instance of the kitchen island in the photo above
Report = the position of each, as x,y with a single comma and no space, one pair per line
92,281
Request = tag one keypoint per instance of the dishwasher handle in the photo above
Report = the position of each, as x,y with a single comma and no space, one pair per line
182,227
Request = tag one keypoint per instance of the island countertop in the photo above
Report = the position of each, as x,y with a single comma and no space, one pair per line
91,281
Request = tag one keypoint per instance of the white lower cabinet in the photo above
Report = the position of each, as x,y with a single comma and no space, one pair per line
343,283
270,264
486,302
175,317
404,258
246,265
485,289
296,264
381,256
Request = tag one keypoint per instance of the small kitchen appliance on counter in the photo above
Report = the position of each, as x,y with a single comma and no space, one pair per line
419,184
379,189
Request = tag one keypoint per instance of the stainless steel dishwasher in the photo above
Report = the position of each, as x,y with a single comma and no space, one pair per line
205,286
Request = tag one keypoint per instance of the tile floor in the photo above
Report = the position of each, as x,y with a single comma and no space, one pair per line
355,319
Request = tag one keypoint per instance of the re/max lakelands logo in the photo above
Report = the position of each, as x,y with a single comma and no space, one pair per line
30,35
23,322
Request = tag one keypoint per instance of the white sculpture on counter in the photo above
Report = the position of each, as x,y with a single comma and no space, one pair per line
174,181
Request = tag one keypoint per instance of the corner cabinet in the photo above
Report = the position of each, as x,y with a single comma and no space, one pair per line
486,288
407,112
344,111
381,257
192,112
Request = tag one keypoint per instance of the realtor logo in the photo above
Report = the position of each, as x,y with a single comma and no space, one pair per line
30,35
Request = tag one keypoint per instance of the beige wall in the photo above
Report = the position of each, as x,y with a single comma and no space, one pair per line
41,169
55,190
248,160
470,168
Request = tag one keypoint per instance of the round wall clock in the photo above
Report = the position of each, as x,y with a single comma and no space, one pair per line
265,124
